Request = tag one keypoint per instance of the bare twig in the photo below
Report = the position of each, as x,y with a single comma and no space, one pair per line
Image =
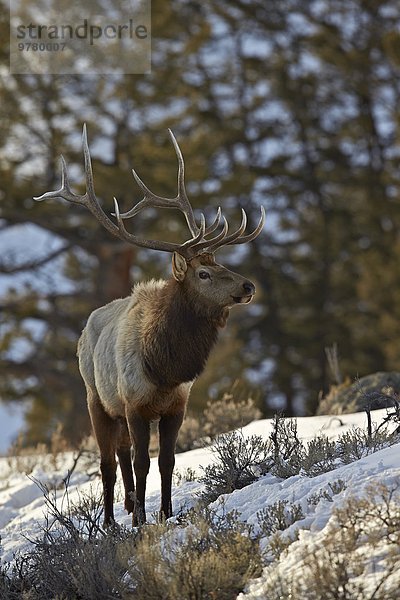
7,268
332,356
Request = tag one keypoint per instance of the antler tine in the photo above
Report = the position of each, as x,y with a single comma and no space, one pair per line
88,166
89,199
187,248
181,200
65,191
236,237
181,167
252,236
231,238
215,223
154,244
209,244
150,200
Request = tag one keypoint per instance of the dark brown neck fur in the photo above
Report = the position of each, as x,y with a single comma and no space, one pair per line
176,347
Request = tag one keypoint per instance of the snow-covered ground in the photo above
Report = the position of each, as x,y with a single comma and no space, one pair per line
22,507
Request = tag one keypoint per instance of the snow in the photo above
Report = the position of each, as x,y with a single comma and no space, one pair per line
22,512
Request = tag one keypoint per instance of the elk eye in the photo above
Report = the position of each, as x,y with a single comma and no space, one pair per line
204,275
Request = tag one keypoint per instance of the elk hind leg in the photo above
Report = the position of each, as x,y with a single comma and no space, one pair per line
139,430
106,431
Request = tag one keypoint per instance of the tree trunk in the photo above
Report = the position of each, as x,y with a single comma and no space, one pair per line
113,279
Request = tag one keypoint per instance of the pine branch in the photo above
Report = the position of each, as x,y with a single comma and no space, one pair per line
9,269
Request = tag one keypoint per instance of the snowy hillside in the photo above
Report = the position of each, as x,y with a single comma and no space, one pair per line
22,507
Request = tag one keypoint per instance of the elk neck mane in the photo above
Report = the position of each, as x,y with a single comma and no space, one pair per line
178,336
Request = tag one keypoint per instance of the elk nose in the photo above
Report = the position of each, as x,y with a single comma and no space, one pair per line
249,288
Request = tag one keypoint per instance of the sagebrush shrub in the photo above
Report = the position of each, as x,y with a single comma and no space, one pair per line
356,443
287,450
339,566
333,488
213,558
203,555
190,434
238,461
229,413
278,516
319,457
219,416
180,477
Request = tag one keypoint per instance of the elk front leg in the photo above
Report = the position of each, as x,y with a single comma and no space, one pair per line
139,430
168,429
125,463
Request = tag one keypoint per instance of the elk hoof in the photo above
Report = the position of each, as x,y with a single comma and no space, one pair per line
129,503
108,522
165,514
138,517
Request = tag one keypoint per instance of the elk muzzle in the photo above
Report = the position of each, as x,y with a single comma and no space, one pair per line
249,289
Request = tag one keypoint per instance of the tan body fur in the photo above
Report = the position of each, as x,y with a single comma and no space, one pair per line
109,356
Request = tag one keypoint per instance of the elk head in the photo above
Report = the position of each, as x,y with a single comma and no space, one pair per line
211,284
193,263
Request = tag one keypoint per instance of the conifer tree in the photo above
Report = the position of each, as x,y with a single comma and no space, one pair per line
291,104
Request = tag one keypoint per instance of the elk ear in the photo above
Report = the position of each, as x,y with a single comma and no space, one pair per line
179,266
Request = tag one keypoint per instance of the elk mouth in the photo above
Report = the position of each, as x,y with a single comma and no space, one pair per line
242,299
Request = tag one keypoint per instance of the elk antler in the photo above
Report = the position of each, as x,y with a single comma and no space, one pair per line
189,248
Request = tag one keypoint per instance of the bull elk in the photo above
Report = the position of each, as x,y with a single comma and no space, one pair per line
140,355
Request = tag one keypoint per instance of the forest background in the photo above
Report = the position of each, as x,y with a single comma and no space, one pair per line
293,105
